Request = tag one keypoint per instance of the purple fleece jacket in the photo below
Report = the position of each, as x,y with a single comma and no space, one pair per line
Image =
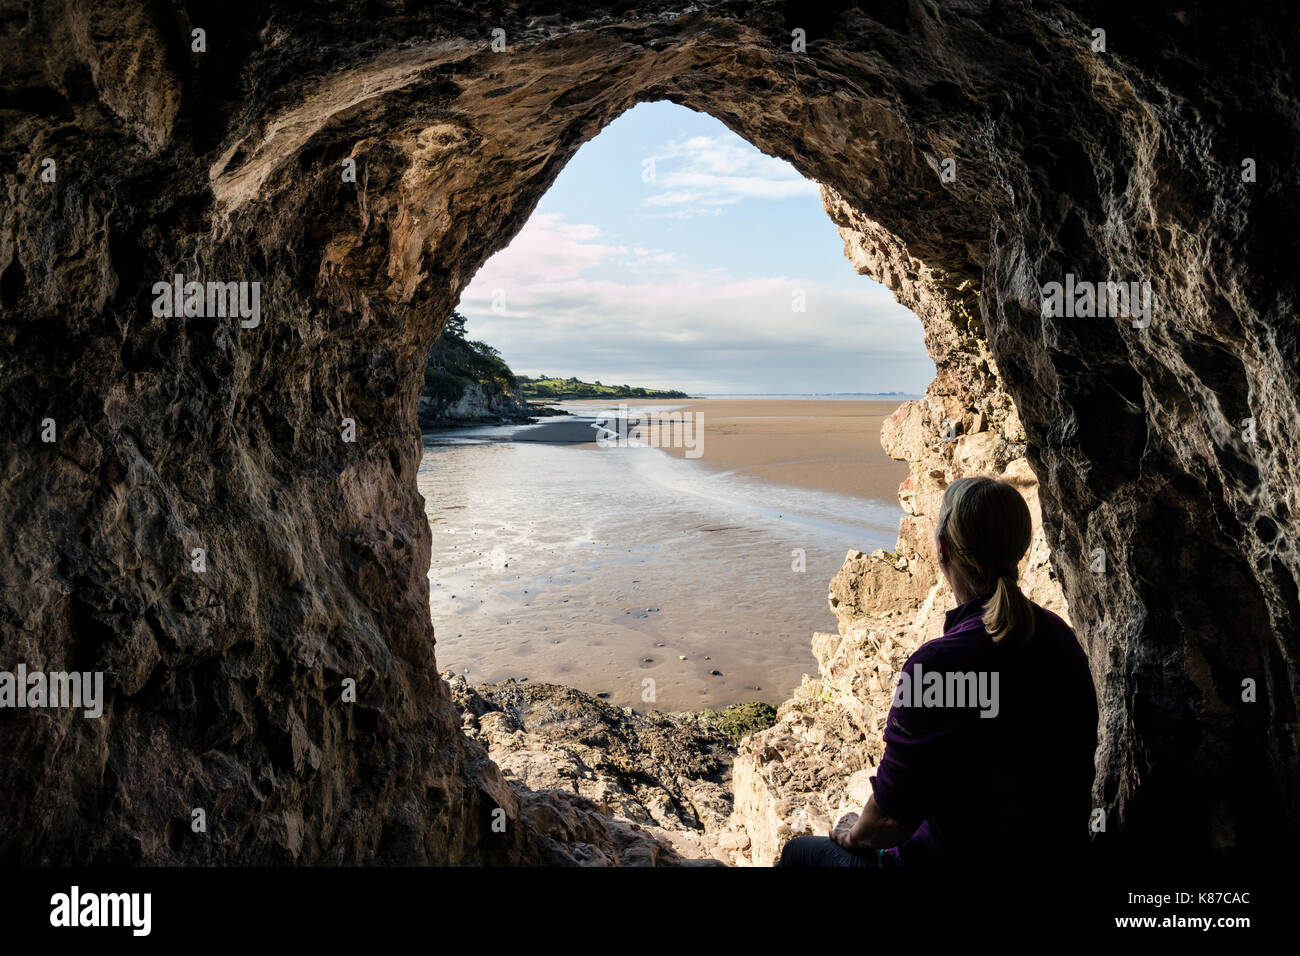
1013,785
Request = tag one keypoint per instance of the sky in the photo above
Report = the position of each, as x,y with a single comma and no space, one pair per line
671,253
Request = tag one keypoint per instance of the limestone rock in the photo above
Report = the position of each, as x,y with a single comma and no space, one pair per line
666,770
476,404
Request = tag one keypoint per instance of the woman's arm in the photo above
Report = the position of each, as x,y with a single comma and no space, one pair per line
872,829
918,751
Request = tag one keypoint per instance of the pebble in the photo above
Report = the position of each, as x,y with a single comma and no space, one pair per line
716,673
647,660
681,657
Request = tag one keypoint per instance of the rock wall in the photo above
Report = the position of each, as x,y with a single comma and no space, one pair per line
225,156
476,404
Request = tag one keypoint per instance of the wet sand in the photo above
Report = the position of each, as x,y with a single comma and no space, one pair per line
662,582
823,445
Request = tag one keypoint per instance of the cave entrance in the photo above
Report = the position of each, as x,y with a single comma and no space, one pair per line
440,188
966,158
673,254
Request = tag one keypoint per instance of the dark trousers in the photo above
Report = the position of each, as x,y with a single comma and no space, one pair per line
823,851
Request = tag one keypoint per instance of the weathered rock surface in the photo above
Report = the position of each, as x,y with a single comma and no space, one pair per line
669,770
668,773
476,404
177,434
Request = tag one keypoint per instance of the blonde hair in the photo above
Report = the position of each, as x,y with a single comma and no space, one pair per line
988,529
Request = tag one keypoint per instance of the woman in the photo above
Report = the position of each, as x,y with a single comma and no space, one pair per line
989,743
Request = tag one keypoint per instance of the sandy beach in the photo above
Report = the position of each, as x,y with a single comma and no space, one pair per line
555,559
825,445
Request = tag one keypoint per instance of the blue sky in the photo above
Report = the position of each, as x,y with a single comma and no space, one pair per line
669,253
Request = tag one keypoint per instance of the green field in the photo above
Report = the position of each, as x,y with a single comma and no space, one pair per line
560,389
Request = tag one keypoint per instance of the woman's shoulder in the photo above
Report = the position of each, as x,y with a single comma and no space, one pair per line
970,639
1049,622
1055,639
951,650
972,642
1051,617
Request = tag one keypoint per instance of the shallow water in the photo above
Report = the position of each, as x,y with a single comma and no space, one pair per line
601,567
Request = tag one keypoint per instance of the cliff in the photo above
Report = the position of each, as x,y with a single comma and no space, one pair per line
467,382
477,403
217,508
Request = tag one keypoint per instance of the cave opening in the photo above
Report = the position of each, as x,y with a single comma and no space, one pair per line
671,253
634,618
452,196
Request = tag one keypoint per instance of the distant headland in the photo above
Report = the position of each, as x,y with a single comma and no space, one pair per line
544,388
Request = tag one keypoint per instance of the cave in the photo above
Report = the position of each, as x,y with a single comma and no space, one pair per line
223,518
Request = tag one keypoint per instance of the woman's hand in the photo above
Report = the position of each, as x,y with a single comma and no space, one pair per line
843,832
872,830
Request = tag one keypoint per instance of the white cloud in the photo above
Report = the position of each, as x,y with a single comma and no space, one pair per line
550,249
577,303
701,173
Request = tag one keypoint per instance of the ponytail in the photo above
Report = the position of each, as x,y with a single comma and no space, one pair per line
988,526
1008,615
